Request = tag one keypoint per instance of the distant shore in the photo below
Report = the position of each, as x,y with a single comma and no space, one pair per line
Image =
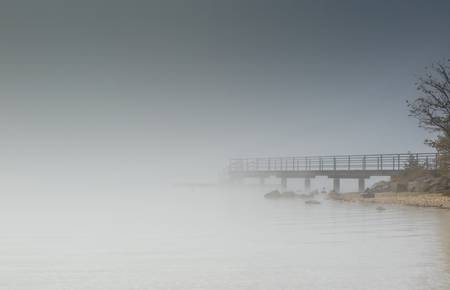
437,200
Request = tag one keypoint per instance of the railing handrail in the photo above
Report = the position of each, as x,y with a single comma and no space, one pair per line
339,155
389,161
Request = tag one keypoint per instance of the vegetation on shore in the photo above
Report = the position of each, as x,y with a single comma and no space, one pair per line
416,185
432,109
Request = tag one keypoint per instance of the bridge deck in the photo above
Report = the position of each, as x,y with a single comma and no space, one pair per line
338,166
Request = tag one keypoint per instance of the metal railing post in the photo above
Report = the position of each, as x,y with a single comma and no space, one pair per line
436,162
351,163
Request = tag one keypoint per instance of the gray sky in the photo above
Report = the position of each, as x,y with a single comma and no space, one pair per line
112,93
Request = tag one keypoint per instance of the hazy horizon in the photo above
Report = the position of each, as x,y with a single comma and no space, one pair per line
113,94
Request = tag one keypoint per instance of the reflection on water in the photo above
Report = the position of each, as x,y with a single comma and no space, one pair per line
220,240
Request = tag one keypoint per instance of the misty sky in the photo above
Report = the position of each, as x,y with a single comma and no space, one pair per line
112,93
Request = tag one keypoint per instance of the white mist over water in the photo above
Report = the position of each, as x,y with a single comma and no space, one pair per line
219,239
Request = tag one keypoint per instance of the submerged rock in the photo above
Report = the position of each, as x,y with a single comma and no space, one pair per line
273,194
380,208
312,201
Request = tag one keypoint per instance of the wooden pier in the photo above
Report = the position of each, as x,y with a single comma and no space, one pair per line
359,167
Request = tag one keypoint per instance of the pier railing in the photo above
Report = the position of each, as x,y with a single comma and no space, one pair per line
369,162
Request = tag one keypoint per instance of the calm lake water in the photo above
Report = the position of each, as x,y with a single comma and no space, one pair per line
219,239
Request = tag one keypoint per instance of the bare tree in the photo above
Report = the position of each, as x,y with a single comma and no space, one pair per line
432,106
432,109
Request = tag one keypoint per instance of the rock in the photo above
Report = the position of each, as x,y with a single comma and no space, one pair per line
422,183
414,186
335,196
288,194
304,195
425,187
368,195
276,194
312,201
399,187
273,194
381,186
427,180
380,208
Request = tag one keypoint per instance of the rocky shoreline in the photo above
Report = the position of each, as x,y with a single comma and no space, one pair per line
421,199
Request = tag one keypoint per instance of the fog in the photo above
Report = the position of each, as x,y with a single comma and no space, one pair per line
113,92
224,239
106,107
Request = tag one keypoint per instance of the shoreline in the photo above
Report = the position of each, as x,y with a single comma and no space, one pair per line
419,199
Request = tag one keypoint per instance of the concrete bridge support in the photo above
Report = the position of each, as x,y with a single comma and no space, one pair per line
337,185
361,184
283,183
237,180
307,185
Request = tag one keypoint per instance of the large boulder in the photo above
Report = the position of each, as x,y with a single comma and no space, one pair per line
399,187
425,183
305,195
368,195
273,194
381,186
430,184
415,186
288,194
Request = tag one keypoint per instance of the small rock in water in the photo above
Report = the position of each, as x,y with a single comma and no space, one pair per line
312,201
273,194
304,195
368,195
380,208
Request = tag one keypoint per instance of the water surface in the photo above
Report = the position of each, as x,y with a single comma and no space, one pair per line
219,239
